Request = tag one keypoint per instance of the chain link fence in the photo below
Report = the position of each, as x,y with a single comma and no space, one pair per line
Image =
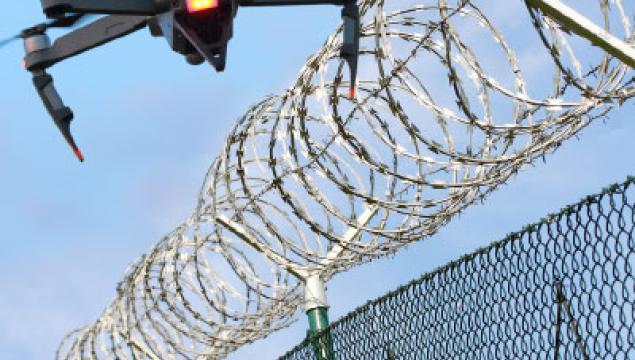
563,288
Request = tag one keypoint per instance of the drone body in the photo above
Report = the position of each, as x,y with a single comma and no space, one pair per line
198,29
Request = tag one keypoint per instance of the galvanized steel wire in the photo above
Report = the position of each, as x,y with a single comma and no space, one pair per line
312,182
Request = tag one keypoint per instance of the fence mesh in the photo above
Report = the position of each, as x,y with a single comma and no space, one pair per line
563,288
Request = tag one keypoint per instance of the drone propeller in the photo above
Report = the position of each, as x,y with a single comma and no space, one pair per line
69,21
63,22
8,41
61,114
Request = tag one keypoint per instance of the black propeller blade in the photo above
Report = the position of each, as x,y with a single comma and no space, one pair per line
69,21
64,22
8,41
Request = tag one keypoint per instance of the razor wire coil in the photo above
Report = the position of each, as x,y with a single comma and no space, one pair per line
312,182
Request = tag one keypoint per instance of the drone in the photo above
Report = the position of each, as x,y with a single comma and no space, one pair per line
200,30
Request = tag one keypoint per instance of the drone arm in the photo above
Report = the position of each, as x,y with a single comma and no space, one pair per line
56,8
104,30
88,37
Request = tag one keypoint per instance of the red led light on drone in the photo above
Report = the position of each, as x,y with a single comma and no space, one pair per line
200,5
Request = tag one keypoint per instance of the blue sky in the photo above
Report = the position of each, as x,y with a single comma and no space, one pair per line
150,125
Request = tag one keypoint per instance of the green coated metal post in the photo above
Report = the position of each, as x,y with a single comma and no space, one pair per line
317,314
318,320
318,323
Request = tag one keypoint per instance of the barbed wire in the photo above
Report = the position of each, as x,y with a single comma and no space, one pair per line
311,182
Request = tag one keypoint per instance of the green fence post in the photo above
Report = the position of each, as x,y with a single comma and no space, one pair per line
317,313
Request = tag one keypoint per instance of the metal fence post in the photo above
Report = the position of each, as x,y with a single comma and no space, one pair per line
317,313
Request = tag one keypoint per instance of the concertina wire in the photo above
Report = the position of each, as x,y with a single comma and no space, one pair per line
311,182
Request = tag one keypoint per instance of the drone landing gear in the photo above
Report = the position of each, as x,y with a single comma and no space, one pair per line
40,55
350,47
62,115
